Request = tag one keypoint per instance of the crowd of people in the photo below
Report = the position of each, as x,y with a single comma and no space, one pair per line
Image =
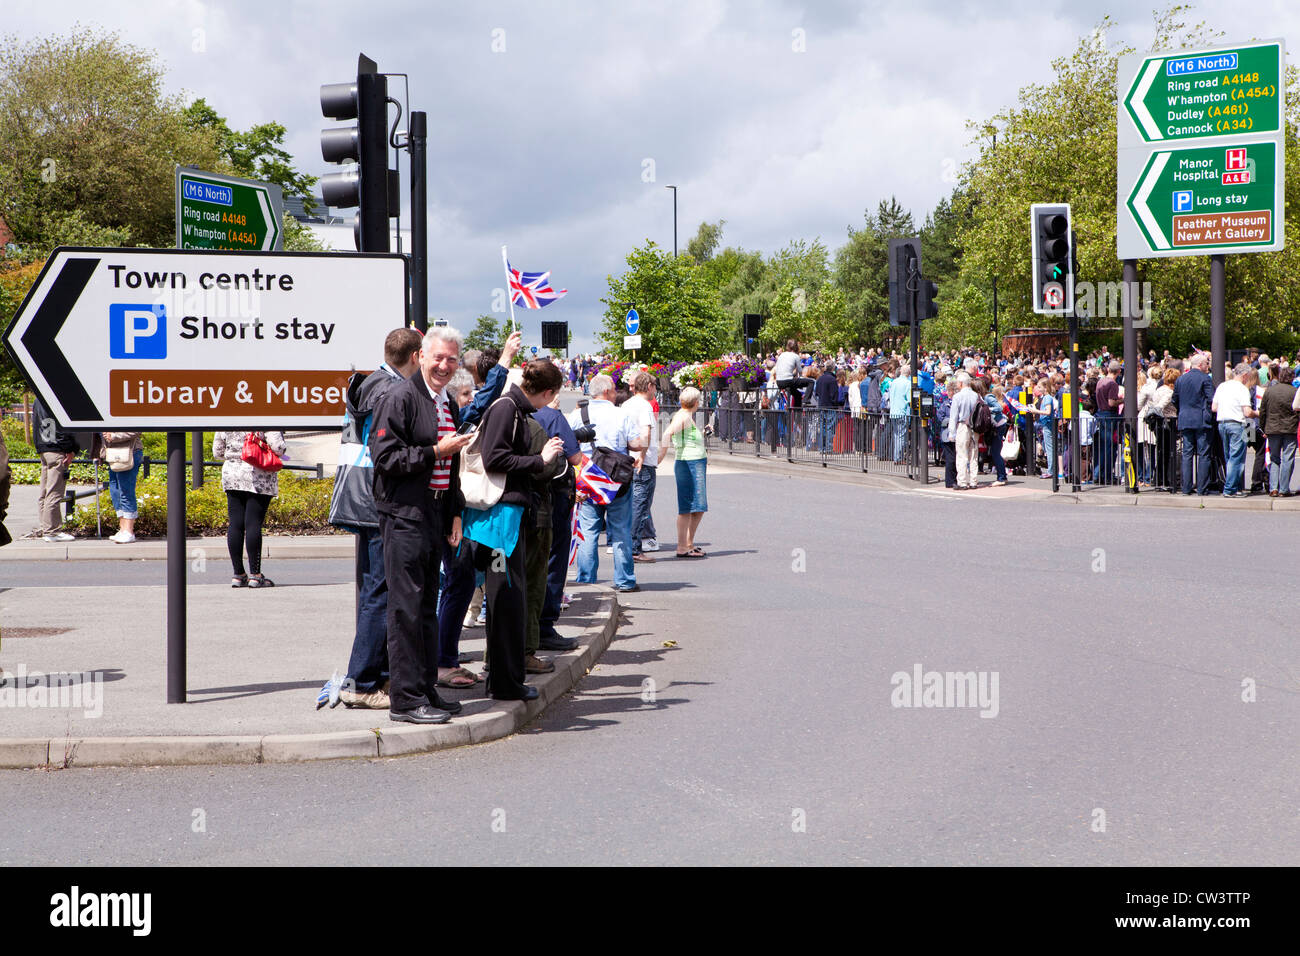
1189,434
466,484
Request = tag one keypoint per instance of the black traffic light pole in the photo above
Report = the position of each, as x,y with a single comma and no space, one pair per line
419,222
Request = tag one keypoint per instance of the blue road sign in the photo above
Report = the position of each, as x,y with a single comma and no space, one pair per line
1183,200
632,322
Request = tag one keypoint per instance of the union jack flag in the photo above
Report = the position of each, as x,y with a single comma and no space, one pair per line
595,484
532,290
575,536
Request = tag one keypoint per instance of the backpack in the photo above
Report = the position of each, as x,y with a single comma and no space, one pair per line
981,419
482,489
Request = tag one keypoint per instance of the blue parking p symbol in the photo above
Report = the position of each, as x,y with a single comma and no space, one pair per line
1183,200
137,331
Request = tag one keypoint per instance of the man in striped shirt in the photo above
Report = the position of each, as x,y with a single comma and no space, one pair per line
415,450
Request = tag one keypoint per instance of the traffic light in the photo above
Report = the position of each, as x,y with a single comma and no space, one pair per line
367,185
904,279
1053,255
926,307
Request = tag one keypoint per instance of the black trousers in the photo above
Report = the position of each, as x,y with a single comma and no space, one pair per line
412,556
506,596
246,512
949,464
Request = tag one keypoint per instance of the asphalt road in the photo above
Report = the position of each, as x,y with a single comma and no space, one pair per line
745,712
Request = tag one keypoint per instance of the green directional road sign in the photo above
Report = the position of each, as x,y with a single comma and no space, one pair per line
222,212
1203,200
1224,92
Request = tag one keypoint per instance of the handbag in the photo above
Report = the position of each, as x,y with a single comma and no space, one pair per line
259,454
120,457
1011,446
482,489
618,466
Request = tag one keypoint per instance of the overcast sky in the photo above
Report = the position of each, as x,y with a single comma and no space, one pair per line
554,127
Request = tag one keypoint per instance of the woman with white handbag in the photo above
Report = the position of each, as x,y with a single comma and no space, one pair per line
496,473
123,453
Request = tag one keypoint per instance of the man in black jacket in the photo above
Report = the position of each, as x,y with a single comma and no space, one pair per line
352,508
1193,397
415,450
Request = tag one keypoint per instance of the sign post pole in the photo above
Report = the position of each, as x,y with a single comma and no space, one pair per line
176,567
1134,301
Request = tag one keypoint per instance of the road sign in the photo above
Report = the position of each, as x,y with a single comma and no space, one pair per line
631,342
154,339
1201,164
1201,200
222,212
534,349
632,322
1197,94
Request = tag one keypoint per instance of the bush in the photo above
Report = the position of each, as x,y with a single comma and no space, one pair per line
301,507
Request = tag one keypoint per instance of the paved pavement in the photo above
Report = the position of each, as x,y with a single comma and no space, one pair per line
746,709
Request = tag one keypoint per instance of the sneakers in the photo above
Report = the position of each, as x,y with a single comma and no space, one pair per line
374,700
471,620
329,694
123,537
482,615
649,544
565,601
59,536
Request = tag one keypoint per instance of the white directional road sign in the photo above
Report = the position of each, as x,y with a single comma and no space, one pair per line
632,322
129,339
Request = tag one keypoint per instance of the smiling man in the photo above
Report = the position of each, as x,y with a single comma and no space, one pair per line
415,449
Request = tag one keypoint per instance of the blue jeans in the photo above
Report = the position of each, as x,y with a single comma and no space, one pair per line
1281,452
1103,468
829,419
995,451
121,488
1049,444
899,423
368,664
458,582
643,496
1196,446
1234,454
615,519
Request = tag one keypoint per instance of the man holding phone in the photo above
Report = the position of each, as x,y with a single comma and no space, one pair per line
415,450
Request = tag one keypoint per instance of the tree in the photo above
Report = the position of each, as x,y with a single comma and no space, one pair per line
256,153
681,318
700,248
88,142
486,334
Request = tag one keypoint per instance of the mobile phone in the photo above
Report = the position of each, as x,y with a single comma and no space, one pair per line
466,428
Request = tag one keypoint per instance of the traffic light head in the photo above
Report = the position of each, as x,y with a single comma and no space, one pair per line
365,185
904,277
1053,255
926,307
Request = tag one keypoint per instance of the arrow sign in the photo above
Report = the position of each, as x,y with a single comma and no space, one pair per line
1202,94
170,340
222,212
632,322
1204,200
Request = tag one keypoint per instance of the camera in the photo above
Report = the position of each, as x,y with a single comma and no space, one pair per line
585,434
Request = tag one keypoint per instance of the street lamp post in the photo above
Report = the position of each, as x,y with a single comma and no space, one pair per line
674,189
